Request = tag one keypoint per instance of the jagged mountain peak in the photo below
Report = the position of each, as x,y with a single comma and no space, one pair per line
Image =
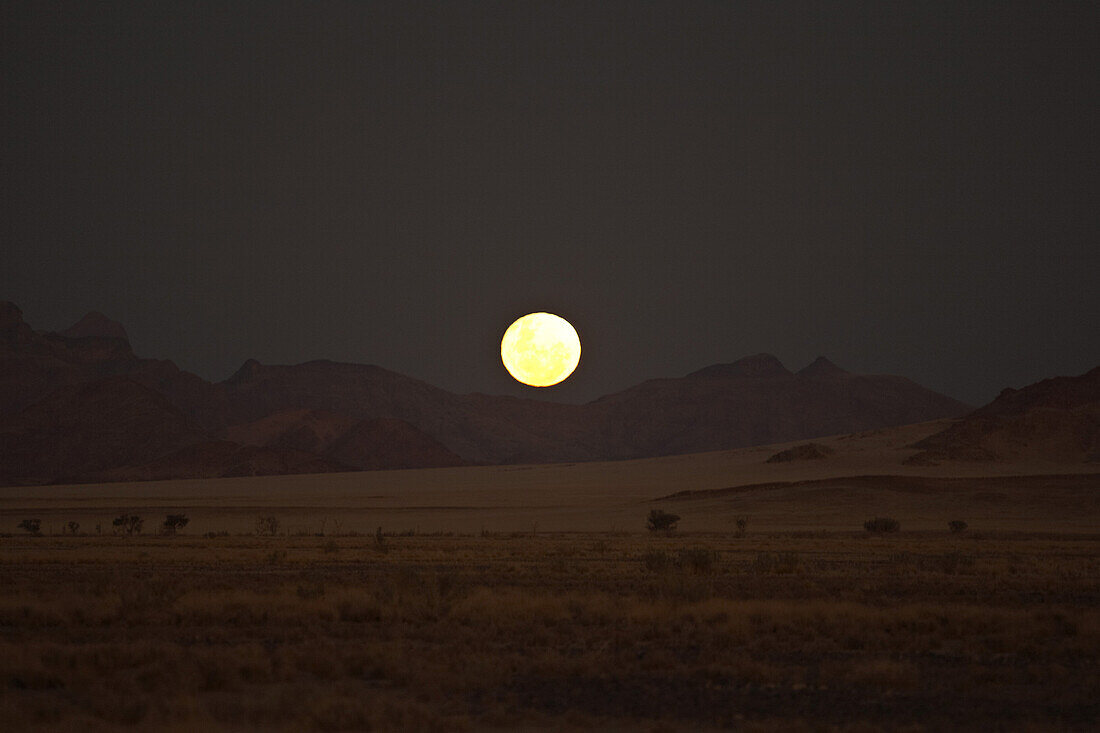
821,367
96,325
247,371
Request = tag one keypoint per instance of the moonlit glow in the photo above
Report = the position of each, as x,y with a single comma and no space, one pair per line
540,349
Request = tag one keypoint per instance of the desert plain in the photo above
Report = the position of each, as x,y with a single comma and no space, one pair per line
534,598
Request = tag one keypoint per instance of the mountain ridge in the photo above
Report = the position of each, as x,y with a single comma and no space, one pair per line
1056,418
753,400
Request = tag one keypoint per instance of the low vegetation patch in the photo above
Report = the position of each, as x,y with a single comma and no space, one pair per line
267,526
882,525
661,521
128,524
31,526
598,631
804,452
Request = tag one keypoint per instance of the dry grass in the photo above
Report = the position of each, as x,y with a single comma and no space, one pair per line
773,632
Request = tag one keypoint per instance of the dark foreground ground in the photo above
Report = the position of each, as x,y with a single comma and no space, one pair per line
604,631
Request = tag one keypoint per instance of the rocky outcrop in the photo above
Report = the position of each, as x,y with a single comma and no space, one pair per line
804,452
1055,419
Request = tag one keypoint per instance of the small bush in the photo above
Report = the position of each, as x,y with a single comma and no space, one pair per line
33,526
380,541
741,523
661,521
174,522
128,523
882,525
267,526
957,526
72,527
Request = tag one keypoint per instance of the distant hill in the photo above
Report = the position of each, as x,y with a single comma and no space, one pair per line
33,364
115,429
1056,419
757,401
389,443
373,444
752,401
90,427
221,459
365,416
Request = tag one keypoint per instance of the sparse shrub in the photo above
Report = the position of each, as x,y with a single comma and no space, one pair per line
882,525
330,547
128,523
267,526
174,523
741,523
657,561
72,527
661,521
698,560
380,541
33,526
957,526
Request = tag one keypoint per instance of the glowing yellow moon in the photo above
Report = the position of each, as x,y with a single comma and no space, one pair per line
540,349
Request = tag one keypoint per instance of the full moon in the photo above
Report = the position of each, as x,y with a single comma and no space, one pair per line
540,349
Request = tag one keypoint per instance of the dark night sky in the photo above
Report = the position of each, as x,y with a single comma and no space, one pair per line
906,188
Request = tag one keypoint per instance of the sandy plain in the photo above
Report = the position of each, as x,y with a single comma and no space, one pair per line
606,497
533,598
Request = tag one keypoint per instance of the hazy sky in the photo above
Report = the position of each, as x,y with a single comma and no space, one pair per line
906,188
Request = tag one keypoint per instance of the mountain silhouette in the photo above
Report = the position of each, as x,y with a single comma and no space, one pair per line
365,416
1055,419
379,443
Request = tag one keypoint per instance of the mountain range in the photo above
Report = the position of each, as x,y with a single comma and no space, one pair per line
79,405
